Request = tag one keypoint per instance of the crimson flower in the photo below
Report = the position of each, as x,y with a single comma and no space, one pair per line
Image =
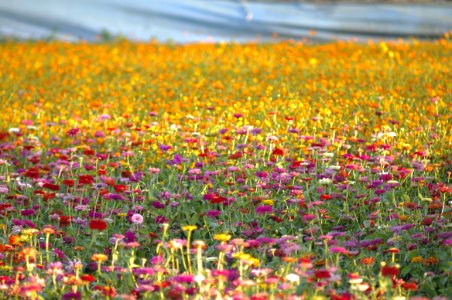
320,274
85,179
278,152
97,224
389,271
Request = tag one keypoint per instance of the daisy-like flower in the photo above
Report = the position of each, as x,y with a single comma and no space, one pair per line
137,219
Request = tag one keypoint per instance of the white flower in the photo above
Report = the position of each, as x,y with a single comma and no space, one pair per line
272,138
328,154
175,127
292,277
13,130
325,181
199,278
392,134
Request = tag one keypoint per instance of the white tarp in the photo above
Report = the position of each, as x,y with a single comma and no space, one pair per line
203,20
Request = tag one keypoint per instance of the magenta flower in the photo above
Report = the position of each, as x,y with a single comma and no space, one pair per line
183,278
161,220
213,213
338,249
263,209
73,131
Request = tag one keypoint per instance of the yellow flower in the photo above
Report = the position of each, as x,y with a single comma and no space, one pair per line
30,231
417,259
189,227
246,259
222,237
267,202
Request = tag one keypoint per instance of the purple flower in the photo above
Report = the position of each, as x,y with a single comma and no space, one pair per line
130,236
58,253
136,177
72,295
143,271
256,131
27,212
164,148
157,204
213,213
160,220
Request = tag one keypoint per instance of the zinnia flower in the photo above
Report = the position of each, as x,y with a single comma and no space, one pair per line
97,224
389,271
137,219
263,209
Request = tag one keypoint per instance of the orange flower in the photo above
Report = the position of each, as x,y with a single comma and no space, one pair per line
14,240
367,260
431,261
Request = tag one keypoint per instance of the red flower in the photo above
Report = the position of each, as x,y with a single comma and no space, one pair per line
409,286
214,198
389,271
97,224
325,197
88,152
51,186
87,277
278,152
320,274
32,173
120,188
68,182
85,179
427,221
48,196
65,220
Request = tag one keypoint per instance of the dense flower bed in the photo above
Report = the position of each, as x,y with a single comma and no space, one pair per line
225,171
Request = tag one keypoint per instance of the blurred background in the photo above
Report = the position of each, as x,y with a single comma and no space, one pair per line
188,21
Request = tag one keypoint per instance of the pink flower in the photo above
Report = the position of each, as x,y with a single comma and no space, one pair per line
154,170
338,250
137,219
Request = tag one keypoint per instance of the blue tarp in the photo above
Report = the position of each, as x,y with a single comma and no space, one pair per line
202,20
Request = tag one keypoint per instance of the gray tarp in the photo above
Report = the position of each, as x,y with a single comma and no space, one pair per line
204,20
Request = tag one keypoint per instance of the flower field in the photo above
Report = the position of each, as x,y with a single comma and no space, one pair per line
224,171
